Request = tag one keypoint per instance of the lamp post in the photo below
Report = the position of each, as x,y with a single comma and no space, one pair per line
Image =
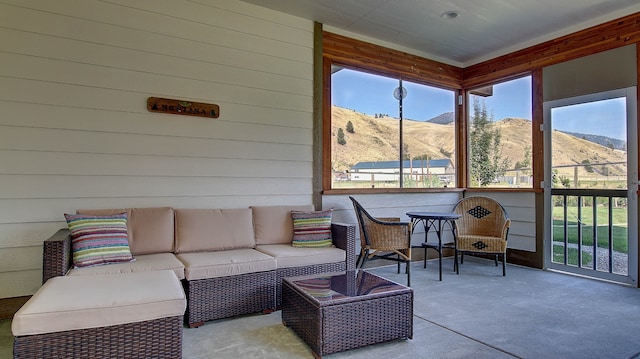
400,93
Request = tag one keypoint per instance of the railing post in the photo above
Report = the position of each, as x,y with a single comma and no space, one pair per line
610,234
565,229
595,232
579,231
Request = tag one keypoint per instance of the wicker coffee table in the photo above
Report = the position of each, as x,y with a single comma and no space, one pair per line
333,313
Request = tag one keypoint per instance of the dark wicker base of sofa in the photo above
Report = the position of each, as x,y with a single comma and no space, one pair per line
217,298
301,271
160,338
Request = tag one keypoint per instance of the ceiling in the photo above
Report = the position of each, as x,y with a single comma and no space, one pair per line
483,29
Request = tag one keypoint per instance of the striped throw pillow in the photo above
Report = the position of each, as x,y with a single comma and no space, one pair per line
312,229
97,240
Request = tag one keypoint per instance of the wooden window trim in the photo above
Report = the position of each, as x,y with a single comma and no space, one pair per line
376,59
536,143
362,56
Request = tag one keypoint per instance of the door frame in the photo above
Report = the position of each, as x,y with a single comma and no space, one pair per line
630,93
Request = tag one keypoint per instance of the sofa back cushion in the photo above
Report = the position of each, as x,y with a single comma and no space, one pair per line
273,224
199,230
150,229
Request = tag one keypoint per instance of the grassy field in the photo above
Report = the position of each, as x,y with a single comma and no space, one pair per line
619,232
572,256
619,227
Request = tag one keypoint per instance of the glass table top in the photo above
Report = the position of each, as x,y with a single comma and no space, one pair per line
349,284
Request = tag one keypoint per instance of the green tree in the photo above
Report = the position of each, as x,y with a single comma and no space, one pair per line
486,161
565,181
587,165
341,139
526,162
350,127
406,155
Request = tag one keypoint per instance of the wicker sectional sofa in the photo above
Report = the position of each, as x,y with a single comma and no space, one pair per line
230,261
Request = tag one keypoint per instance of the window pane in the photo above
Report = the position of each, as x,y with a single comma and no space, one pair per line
365,130
500,135
596,134
428,136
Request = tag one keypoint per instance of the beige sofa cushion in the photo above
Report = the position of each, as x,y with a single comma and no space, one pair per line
70,303
287,256
273,224
199,230
150,229
143,263
205,265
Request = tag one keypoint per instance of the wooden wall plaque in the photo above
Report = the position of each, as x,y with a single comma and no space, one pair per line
179,107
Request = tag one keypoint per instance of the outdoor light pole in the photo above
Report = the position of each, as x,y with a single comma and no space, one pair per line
400,93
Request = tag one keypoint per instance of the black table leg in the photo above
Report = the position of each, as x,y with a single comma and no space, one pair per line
439,233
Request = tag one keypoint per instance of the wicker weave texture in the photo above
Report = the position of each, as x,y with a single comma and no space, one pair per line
481,244
160,338
385,237
382,234
483,225
344,237
56,255
216,298
348,325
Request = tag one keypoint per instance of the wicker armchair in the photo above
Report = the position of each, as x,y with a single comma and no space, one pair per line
383,238
483,228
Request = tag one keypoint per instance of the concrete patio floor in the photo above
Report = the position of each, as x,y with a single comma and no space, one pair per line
477,314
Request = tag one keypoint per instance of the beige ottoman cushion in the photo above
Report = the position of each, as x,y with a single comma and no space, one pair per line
287,256
143,263
81,302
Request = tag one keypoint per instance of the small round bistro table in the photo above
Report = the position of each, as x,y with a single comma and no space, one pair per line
435,220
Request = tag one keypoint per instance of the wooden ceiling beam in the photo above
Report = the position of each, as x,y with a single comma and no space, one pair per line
606,36
386,61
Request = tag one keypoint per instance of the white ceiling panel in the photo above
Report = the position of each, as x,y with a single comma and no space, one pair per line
484,28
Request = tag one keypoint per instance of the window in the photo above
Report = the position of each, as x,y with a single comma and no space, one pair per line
589,143
499,135
390,133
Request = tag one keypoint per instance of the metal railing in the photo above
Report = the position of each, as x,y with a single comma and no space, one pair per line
575,229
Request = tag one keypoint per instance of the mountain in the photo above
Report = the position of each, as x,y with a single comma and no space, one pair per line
376,139
443,119
601,140
448,117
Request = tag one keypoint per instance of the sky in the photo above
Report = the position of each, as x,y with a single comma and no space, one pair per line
606,118
372,94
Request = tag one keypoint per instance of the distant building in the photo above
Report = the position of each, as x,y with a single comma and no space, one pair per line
390,170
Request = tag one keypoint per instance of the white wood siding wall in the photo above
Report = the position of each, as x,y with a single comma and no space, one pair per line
394,205
75,132
519,206
521,209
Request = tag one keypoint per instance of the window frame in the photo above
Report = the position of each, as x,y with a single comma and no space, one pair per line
377,60
536,137
402,137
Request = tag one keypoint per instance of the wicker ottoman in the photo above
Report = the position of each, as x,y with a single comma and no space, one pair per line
334,313
135,315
